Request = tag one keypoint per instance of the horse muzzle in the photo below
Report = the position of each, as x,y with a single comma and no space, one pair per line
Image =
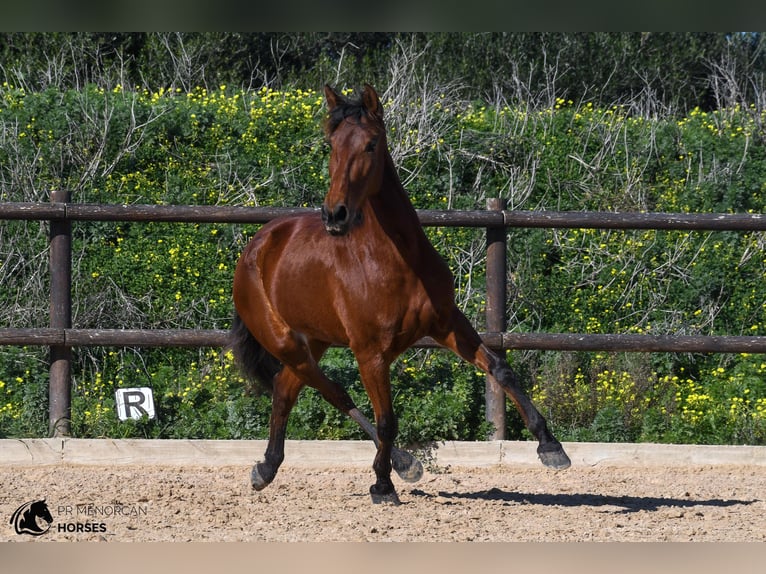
338,220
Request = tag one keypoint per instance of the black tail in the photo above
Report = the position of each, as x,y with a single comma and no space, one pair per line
255,362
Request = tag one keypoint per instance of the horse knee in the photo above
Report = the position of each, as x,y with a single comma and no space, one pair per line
387,428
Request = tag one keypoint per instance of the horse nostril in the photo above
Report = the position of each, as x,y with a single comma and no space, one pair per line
340,215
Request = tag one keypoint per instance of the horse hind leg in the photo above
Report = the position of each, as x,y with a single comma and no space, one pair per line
286,387
463,340
549,450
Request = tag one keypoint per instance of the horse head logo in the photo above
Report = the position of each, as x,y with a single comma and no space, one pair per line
32,518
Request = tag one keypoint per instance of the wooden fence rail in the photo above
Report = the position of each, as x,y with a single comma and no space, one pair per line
492,217
61,337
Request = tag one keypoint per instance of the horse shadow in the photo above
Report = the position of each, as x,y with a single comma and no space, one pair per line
629,504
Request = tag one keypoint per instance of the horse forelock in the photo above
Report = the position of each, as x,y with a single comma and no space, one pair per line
353,109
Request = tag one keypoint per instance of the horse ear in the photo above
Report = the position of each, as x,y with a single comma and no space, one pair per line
372,102
331,97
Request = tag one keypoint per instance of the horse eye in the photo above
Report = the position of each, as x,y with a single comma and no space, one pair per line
371,145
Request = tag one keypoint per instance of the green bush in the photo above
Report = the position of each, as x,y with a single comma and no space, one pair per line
265,147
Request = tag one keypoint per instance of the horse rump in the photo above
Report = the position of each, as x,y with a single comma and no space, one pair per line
255,362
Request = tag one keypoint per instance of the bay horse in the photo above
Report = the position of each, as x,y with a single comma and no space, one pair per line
361,274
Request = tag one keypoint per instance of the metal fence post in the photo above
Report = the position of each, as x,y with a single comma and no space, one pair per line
494,397
60,384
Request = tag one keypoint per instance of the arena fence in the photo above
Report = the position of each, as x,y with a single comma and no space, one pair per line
61,337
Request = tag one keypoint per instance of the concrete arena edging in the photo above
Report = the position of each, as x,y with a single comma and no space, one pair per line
329,453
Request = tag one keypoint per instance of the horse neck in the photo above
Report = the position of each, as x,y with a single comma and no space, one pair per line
395,218
392,206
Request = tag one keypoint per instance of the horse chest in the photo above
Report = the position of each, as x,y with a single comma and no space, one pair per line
397,303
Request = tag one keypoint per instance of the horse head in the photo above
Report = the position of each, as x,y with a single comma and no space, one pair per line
357,137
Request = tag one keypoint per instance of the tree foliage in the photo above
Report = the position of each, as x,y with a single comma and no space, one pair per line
675,70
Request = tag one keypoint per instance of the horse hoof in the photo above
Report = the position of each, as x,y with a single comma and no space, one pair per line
388,498
257,479
406,466
553,456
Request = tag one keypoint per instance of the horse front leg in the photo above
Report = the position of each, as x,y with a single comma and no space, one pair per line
409,468
462,338
285,393
376,379
406,466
